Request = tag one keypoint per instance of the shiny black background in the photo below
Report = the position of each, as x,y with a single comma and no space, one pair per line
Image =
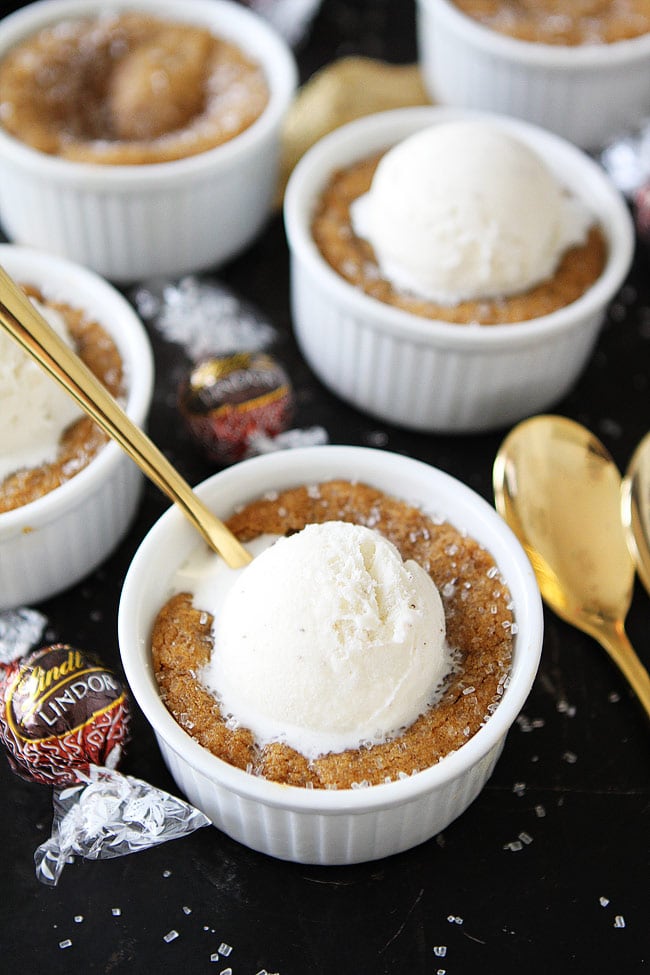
550,907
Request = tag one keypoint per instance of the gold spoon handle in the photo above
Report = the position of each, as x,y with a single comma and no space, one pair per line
22,321
615,641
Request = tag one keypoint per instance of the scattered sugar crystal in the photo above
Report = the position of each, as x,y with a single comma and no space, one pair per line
224,971
65,944
454,919
619,921
187,910
308,437
166,873
604,901
614,697
565,708
440,951
525,838
540,811
78,918
519,788
225,949
376,438
170,936
514,846
349,268
116,911
214,956
570,758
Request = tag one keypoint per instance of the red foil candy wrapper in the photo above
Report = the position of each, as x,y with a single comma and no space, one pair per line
229,400
61,711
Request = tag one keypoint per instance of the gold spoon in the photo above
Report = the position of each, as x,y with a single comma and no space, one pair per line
558,488
635,509
26,325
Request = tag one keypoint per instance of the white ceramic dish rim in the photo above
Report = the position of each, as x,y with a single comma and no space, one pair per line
318,801
573,58
43,269
235,21
348,143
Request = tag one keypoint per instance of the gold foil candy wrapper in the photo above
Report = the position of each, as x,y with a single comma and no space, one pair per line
341,92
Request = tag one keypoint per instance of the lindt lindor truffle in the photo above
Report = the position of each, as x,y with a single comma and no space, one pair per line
64,719
61,711
228,401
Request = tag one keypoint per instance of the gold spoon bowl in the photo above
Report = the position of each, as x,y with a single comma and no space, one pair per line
635,509
26,325
559,489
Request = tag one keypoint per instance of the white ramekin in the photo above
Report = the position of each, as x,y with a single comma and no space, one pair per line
432,375
53,542
131,222
589,94
313,825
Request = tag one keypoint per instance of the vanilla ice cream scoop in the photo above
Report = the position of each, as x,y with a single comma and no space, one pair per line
328,639
34,409
463,210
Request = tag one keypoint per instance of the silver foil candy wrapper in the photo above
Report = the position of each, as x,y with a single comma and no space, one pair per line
203,316
110,815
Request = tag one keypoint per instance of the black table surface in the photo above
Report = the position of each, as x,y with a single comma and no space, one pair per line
573,777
